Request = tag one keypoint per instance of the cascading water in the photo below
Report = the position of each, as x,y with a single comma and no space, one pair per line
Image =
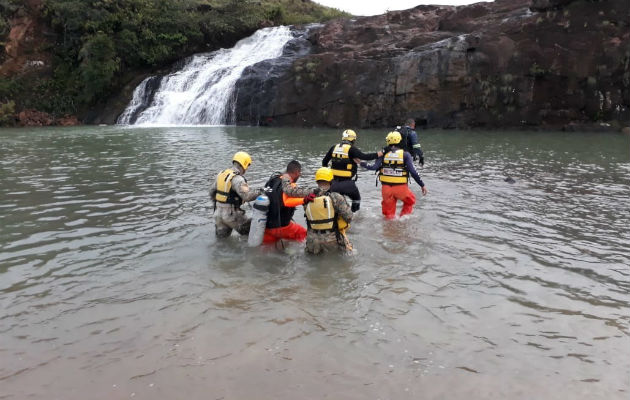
202,92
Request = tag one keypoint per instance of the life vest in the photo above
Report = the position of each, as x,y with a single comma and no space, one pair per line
278,215
320,215
393,170
342,165
225,194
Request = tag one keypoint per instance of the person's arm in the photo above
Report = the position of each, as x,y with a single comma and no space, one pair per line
412,171
341,207
292,201
243,190
293,190
356,153
327,157
373,167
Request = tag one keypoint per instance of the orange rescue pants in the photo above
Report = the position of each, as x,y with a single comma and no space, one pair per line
292,231
392,193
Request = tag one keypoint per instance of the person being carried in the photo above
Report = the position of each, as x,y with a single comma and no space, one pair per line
345,157
394,168
229,192
409,140
282,207
327,217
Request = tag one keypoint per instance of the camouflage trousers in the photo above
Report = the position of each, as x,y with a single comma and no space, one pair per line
317,243
228,217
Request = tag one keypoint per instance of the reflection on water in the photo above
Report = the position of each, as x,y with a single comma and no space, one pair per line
112,284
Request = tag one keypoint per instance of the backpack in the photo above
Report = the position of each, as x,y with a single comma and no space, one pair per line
405,143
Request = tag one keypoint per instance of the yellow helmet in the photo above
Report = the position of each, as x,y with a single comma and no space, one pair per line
324,174
393,138
349,135
242,158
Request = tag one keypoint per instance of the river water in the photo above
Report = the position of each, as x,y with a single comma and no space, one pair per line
112,285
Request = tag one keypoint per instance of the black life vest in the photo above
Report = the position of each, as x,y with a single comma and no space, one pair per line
278,215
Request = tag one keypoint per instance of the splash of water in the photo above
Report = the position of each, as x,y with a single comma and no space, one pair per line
202,92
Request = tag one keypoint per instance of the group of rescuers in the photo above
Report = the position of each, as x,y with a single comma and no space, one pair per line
327,213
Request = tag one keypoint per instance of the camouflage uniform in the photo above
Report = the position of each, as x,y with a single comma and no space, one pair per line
292,190
228,216
317,242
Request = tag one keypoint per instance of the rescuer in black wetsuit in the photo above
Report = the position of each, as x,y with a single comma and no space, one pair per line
344,158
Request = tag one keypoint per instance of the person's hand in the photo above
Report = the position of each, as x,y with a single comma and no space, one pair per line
424,190
356,160
309,198
421,160
355,206
379,153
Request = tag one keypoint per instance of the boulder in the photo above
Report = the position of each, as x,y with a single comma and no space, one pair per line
35,118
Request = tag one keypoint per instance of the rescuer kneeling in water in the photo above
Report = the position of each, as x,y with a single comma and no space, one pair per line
230,190
344,166
282,206
327,216
395,167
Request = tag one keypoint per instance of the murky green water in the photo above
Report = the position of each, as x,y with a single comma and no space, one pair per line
113,286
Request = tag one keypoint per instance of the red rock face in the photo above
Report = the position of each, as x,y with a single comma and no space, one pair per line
497,64
35,118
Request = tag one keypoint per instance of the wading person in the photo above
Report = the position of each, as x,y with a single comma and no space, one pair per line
409,140
229,192
282,206
327,217
394,168
344,166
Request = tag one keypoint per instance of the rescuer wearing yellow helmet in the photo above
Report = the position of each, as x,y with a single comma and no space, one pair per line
394,168
327,217
345,156
229,191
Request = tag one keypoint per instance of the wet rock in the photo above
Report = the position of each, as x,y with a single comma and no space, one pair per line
35,118
68,120
544,5
485,65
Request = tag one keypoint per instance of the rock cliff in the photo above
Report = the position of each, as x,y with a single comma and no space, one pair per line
509,63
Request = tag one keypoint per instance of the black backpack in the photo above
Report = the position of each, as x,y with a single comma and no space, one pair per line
405,143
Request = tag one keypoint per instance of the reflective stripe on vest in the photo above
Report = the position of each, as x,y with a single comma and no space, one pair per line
320,214
341,162
224,187
393,169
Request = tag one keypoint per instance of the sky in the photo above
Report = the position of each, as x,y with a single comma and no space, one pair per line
373,7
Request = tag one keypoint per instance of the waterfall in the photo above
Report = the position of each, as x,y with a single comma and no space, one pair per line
202,92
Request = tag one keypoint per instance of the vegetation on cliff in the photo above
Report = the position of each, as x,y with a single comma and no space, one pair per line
96,46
